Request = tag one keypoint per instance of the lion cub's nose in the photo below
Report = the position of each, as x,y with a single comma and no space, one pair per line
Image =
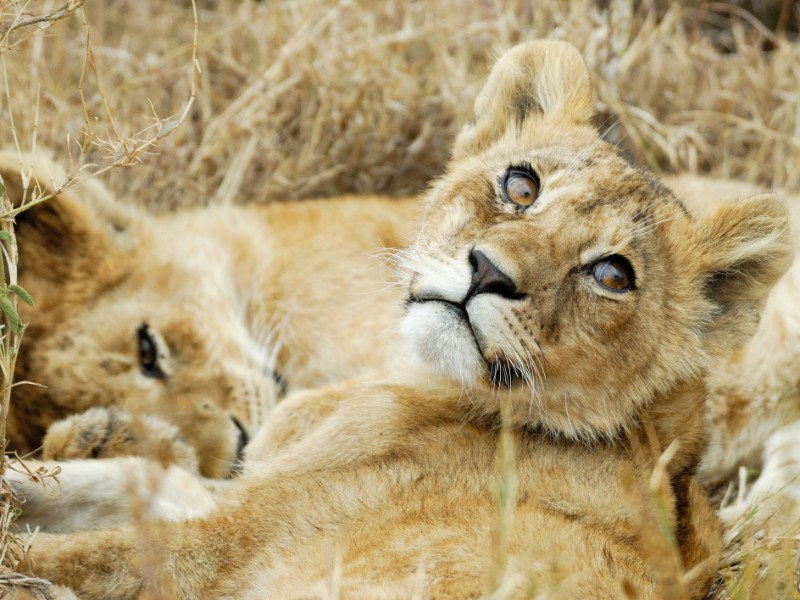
487,278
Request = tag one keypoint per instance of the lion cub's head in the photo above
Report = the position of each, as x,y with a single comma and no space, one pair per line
134,312
564,280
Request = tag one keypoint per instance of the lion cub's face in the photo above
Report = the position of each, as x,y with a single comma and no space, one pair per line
551,272
543,272
144,314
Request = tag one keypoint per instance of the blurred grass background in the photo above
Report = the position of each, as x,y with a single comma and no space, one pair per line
301,98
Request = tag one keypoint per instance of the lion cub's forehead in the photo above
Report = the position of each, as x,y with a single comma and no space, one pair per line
609,187
590,190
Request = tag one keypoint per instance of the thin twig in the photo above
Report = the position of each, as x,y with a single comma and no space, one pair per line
63,12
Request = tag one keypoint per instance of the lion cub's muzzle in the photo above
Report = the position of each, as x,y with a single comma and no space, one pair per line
487,278
448,324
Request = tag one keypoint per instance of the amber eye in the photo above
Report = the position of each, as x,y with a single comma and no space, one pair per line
614,273
520,187
148,353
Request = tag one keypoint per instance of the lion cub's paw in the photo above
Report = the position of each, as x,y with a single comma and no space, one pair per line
56,592
774,499
109,432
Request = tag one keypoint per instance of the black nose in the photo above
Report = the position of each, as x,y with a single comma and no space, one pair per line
488,279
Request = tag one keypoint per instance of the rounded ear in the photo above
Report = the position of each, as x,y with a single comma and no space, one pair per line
66,225
29,176
745,248
536,80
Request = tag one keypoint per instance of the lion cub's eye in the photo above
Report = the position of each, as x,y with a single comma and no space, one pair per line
148,353
614,273
520,187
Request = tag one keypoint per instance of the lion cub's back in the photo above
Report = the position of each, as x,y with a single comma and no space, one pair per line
328,286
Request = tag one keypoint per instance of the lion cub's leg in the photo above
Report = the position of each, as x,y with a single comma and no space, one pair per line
110,432
96,494
106,481
112,468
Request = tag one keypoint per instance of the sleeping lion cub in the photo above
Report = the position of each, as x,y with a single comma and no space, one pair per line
157,327
567,307
755,390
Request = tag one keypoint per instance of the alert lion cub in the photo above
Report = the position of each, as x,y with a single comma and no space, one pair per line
178,332
567,307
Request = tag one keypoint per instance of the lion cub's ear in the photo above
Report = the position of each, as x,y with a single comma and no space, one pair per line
535,80
67,226
745,247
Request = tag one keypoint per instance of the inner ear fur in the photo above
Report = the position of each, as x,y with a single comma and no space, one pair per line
539,79
746,247
63,227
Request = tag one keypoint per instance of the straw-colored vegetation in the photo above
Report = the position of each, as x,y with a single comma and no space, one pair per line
295,98
316,97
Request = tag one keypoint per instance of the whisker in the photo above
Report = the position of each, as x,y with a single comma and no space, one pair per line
650,227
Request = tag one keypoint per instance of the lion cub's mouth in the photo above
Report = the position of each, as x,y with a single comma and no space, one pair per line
457,309
455,321
503,374
499,373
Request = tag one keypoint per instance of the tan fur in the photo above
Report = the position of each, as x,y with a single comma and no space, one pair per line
232,295
73,346
755,390
439,483
109,432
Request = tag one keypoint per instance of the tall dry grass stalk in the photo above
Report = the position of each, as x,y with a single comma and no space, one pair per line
13,548
20,28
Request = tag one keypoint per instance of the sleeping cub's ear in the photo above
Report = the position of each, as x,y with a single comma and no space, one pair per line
745,247
539,80
65,227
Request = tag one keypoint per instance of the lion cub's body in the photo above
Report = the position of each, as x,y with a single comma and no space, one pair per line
755,390
547,449
388,493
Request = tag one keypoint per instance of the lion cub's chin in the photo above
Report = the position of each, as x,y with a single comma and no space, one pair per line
440,334
444,336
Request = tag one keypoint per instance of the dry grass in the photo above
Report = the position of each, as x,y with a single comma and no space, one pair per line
17,26
316,97
762,554
299,98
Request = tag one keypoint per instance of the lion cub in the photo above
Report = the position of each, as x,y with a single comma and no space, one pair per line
178,332
567,307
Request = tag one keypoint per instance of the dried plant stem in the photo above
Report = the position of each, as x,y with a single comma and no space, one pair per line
66,10
127,149
125,152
